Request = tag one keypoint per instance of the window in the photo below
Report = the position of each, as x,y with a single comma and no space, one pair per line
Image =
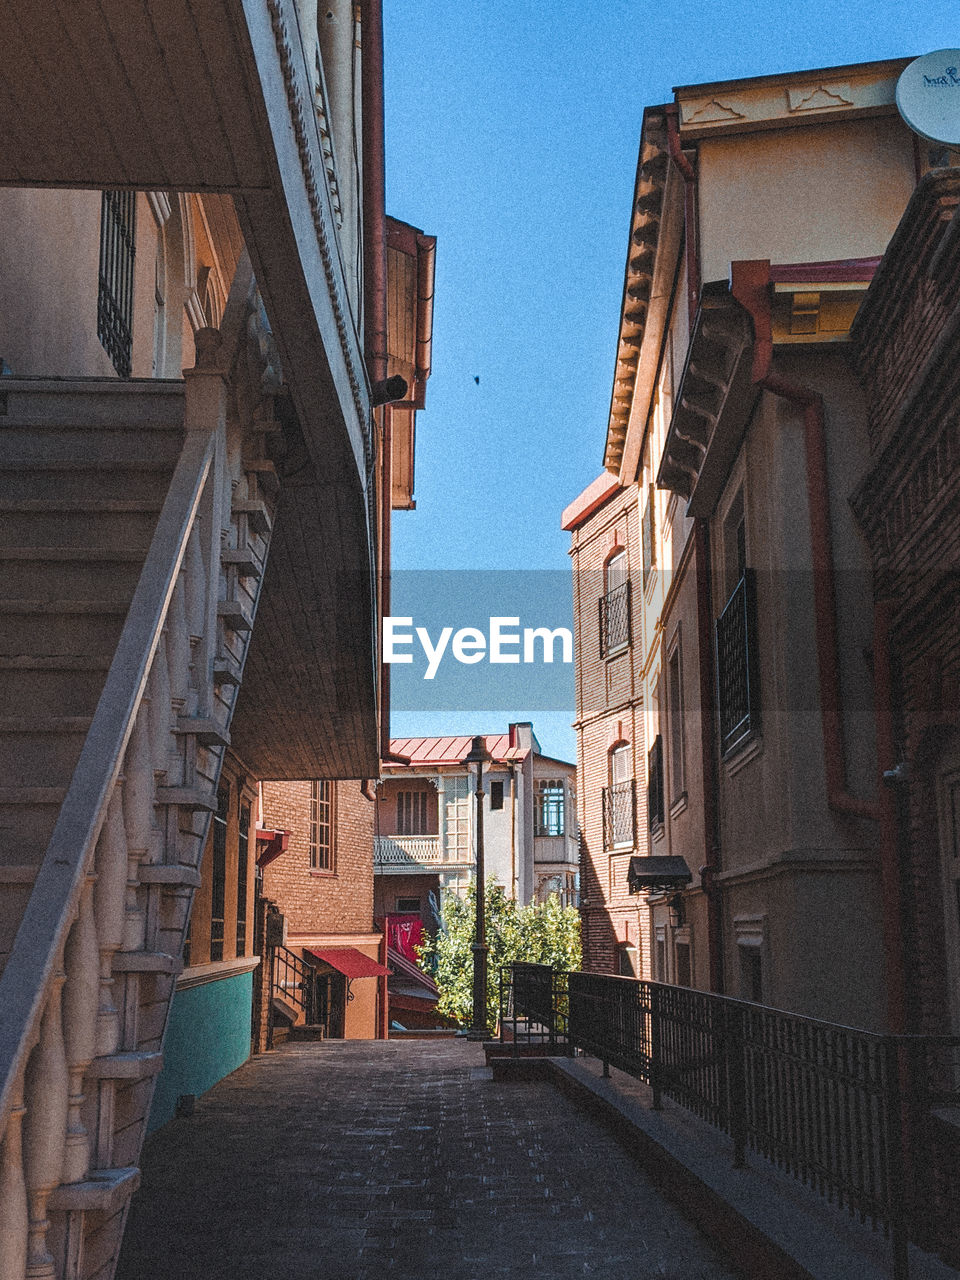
751,974
649,550
661,955
684,973
496,795
548,806
675,712
217,911
620,801
627,960
412,813
243,853
115,284
615,605
738,684
408,904
655,784
321,826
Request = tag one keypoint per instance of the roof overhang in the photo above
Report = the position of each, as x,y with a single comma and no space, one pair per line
656,228
658,873
411,265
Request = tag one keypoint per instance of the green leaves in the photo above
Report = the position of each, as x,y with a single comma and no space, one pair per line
541,933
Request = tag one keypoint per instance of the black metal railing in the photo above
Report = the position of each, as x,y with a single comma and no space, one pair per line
620,815
614,619
533,1005
738,686
845,1111
294,982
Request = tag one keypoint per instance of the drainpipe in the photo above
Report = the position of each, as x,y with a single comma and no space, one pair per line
374,192
513,831
890,876
711,841
750,285
691,231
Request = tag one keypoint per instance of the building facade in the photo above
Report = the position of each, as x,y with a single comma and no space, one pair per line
736,694
425,827
195,458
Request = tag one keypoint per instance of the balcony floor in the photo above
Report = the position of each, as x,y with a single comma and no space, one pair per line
356,1159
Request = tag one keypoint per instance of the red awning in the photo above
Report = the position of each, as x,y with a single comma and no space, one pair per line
350,962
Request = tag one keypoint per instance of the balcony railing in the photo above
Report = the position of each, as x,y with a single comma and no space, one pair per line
738,685
403,851
614,619
620,815
847,1112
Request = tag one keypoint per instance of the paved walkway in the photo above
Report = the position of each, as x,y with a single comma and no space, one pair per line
357,1160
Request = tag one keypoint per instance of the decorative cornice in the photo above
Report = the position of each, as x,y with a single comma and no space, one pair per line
298,118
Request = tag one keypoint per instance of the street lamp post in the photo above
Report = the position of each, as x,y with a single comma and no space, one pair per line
479,756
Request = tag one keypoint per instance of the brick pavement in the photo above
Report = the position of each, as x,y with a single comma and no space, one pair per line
351,1160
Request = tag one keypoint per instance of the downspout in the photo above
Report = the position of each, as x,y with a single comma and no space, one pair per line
711,841
691,231
890,875
513,831
750,285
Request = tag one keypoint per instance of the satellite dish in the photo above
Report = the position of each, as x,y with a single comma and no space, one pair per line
928,96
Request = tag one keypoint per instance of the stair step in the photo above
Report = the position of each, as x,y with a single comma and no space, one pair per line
138,1065
69,685
82,506
245,562
195,798
71,554
256,512
146,962
70,482
63,608
32,795
208,732
105,1191
22,874
170,873
44,724
234,615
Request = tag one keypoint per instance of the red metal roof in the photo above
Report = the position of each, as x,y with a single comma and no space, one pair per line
450,750
594,495
350,962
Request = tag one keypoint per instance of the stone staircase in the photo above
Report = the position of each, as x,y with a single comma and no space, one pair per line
135,520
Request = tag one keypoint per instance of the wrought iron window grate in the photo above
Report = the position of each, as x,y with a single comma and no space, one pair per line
615,619
620,815
115,292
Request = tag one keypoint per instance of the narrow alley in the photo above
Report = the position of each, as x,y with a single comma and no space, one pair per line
345,1160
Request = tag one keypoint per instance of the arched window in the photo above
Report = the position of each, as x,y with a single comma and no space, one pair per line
620,800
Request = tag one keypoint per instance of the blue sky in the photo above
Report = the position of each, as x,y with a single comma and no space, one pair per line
512,134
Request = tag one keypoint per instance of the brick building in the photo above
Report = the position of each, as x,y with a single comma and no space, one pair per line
322,885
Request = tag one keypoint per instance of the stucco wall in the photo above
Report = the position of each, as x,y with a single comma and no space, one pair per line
208,1036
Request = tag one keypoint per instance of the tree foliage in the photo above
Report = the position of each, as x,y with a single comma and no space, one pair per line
541,933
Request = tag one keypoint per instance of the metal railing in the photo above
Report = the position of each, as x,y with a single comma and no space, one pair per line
293,981
842,1110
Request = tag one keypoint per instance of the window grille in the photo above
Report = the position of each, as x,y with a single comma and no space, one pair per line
620,815
217,910
655,783
243,852
321,826
115,291
615,619
548,807
738,686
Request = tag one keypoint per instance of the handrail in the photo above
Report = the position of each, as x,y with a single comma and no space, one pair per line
55,898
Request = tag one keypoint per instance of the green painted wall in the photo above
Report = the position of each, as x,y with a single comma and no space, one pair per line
207,1038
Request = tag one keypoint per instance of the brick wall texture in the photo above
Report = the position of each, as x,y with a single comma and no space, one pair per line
906,341
336,901
609,711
